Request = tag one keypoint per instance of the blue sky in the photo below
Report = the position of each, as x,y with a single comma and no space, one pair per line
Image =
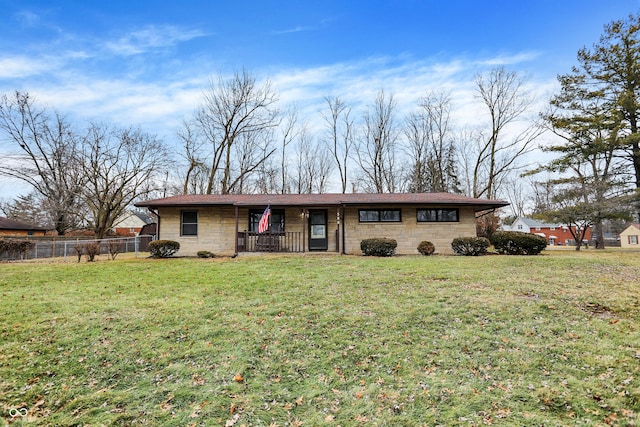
147,62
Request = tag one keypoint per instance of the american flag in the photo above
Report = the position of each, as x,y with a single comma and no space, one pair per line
263,225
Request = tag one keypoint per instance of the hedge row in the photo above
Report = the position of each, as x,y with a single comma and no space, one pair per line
15,247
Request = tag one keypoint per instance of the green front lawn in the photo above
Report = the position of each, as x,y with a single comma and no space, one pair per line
323,340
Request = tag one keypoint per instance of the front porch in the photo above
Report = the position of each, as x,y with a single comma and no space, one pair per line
285,242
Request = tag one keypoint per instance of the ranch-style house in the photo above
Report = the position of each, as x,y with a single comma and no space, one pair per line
229,224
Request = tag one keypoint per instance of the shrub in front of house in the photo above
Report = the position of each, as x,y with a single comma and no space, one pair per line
426,248
163,248
378,246
518,243
205,254
470,246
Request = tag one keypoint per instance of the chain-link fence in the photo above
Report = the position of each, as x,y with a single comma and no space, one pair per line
69,248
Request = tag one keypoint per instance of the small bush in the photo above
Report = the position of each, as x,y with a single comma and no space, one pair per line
17,248
378,247
426,248
206,254
470,246
114,247
163,248
518,243
89,249
79,250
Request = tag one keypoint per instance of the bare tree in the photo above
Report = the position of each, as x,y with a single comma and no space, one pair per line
197,170
312,167
518,193
466,141
376,148
44,155
252,151
31,208
339,135
430,147
291,130
504,95
119,166
234,109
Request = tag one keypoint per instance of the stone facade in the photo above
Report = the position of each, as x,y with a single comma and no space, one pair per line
216,228
409,232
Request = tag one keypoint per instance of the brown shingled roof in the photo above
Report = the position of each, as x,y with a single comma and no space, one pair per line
9,224
309,200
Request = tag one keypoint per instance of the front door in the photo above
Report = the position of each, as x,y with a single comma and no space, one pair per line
318,230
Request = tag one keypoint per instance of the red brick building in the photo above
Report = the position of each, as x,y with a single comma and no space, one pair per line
11,228
555,234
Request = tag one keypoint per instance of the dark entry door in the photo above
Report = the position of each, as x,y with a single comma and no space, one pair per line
318,240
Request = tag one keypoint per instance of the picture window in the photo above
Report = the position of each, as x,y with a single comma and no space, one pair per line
379,215
437,215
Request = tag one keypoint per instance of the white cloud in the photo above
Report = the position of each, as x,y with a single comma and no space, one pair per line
24,66
151,37
297,29
159,105
510,59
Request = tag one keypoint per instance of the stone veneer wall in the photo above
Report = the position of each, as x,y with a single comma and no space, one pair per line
409,233
216,228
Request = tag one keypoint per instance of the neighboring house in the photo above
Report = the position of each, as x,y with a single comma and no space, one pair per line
228,224
555,234
630,237
131,223
11,228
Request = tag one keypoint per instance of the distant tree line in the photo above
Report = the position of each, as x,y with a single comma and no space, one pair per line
238,141
80,177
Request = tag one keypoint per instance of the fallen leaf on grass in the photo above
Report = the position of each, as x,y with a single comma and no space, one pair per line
611,419
198,380
232,421
238,378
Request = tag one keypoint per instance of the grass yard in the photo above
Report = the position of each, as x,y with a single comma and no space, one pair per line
551,340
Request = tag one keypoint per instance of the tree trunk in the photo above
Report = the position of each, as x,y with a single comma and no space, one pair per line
599,235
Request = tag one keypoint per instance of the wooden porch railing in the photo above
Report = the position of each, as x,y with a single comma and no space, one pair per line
289,241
